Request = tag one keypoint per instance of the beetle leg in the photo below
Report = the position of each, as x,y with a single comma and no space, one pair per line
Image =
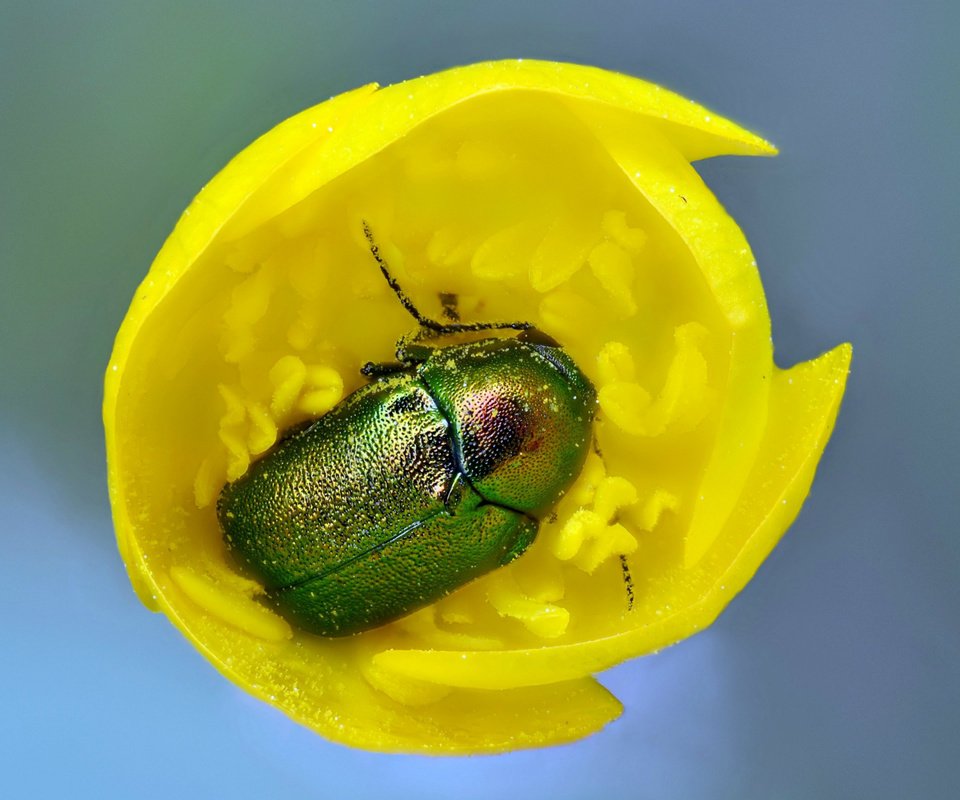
449,301
526,532
411,353
624,563
383,369
627,580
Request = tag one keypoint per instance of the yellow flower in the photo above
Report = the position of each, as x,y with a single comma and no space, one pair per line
557,194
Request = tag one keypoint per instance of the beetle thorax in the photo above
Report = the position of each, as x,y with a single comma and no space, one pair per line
520,414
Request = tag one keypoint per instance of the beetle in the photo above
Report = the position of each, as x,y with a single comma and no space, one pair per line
437,471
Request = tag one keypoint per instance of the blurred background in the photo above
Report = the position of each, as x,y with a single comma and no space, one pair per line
833,675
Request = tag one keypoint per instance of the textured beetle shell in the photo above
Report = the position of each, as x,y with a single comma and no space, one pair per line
412,486
521,416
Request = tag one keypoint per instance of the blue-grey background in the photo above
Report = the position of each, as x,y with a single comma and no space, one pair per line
834,675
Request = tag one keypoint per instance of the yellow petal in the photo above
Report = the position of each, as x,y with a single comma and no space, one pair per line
804,405
263,303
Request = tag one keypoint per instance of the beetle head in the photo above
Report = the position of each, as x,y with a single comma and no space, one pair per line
521,414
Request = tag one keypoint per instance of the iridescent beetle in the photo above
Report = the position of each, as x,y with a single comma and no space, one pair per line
436,472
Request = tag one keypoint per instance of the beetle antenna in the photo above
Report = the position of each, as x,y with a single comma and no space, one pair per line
437,328
405,301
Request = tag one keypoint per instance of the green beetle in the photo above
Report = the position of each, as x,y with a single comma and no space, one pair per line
436,472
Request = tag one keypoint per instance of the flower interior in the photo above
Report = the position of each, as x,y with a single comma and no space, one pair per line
509,203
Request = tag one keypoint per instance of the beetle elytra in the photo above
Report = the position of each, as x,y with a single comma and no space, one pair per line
434,473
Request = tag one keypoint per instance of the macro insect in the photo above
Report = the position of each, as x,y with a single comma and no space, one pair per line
436,472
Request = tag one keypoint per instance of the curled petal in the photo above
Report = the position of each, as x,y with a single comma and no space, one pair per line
529,191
